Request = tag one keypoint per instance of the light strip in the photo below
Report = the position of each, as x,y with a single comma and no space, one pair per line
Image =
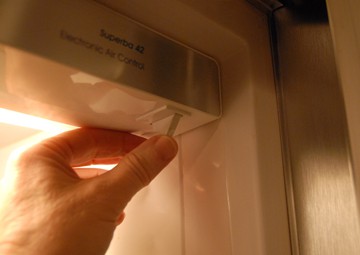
29,121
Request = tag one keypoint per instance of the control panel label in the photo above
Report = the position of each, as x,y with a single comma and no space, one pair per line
120,56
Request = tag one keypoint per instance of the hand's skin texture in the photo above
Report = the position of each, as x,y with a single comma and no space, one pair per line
51,209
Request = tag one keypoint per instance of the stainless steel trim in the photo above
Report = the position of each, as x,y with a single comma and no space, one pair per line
321,196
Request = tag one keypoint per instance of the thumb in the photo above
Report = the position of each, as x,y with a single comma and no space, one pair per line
139,167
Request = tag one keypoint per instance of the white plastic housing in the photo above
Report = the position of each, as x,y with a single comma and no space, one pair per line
98,68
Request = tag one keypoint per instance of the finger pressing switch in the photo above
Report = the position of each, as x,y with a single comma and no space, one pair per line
163,120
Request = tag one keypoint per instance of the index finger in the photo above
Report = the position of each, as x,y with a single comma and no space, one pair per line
87,144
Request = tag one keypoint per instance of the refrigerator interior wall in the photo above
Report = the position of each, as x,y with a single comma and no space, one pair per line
224,193
230,189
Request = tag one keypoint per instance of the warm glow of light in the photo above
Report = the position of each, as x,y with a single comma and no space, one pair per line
99,166
47,129
29,121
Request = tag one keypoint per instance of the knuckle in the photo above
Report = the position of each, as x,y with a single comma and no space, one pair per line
139,169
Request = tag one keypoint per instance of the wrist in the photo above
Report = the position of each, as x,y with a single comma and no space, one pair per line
15,237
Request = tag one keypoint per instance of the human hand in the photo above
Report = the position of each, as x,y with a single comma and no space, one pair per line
48,208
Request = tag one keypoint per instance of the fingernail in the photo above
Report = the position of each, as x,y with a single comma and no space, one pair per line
166,147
